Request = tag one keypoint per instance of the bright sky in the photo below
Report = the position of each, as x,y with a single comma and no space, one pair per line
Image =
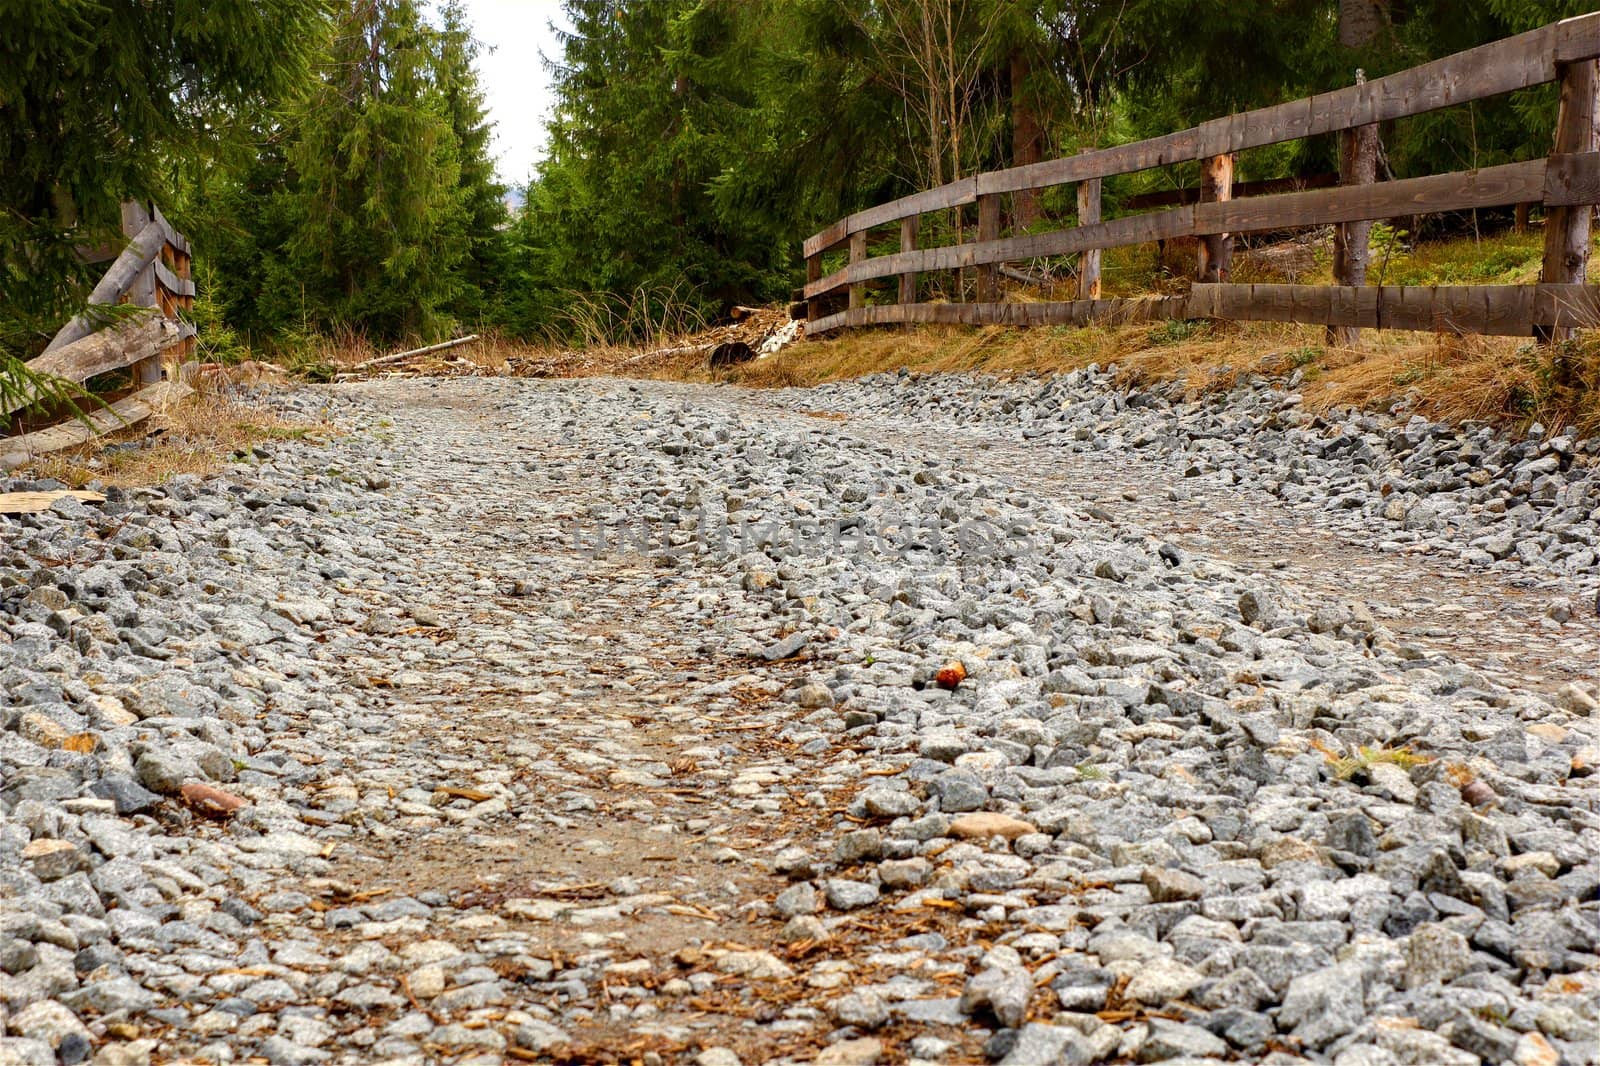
515,34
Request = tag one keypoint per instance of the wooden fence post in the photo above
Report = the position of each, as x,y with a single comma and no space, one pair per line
813,273
858,252
908,243
1216,249
1358,165
183,269
1089,261
142,293
989,230
1566,229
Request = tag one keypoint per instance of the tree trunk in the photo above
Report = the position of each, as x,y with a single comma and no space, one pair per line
1360,22
1027,140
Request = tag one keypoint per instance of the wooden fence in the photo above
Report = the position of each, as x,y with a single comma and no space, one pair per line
1567,183
151,270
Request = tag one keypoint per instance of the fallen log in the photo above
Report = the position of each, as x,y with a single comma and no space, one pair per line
662,353
399,357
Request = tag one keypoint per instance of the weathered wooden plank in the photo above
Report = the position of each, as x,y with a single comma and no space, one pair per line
170,281
1106,162
144,291
1359,149
1570,179
1498,310
1489,70
177,241
14,451
1190,194
1567,306
1215,252
816,327
1577,38
1133,229
1044,313
950,194
813,275
1089,204
1488,187
826,240
112,348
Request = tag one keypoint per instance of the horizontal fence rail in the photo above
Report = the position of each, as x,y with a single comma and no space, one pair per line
1567,183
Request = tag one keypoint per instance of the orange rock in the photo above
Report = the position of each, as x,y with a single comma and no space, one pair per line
986,824
954,672
210,801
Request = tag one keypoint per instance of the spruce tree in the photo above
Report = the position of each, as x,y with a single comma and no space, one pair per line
378,222
98,98
482,198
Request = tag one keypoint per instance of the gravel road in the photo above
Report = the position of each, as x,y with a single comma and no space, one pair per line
941,720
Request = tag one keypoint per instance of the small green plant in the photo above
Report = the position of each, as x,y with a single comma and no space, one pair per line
1177,331
216,341
1388,246
1089,771
1304,356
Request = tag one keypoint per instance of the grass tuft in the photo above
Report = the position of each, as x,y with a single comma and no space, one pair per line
193,437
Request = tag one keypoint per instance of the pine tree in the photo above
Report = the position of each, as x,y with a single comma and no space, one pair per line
97,99
378,222
482,198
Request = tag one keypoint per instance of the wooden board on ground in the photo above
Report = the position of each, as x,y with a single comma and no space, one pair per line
14,451
34,502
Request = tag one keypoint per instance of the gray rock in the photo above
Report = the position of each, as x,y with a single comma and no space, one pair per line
1177,1040
1435,952
797,899
959,790
128,796
1048,1045
786,648
1322,1006
1002,992
864,1010
846,895
166,771
858,846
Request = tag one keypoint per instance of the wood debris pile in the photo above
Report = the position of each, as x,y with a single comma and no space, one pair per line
753,333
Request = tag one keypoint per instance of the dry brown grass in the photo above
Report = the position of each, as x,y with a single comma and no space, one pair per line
1498,379
196,436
